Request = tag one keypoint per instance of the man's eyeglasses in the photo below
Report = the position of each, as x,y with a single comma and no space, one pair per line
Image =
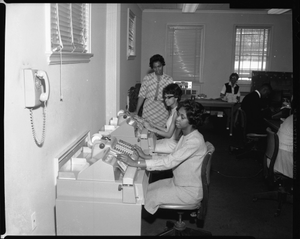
168,97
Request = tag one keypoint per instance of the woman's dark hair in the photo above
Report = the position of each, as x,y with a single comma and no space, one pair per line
156,58
173,89
194,112
234,74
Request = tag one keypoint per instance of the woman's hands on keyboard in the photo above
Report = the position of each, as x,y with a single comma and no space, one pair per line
126,159
140,152
135,155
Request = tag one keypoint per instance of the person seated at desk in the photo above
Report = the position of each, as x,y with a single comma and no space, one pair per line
171,95
284,159
255,110
231,93
186,160
285,109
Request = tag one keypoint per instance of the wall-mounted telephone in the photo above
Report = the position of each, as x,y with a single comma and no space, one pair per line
36,85
36,92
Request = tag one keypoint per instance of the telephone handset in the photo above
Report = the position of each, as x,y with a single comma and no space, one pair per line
36,87
36,92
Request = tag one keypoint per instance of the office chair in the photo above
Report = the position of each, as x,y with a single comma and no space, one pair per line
279,185
250,141
132,99
179,228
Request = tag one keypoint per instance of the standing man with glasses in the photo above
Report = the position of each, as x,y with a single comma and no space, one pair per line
154,110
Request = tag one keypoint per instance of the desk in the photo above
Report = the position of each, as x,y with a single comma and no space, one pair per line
212,103
274,124
93,196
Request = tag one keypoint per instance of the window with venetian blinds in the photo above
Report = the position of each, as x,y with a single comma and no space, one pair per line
70,28
131,35
251,50
184,52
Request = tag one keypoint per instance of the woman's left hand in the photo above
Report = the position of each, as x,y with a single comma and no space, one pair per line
139,150
148,126
126,159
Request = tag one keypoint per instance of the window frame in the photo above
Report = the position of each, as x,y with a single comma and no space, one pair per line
268,59
131,48
200,79
61,57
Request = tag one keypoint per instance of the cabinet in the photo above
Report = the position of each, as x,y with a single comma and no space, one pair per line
280,81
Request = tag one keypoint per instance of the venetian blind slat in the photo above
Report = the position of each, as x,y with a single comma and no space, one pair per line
69,27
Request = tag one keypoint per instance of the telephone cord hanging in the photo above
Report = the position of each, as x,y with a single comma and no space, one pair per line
39,142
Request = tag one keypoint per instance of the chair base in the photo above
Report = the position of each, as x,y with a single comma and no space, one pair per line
180,229
245,153
194,220
250,154
281,197
252,147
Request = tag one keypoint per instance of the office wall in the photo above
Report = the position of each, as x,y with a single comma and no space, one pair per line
29,169
130,70
218,42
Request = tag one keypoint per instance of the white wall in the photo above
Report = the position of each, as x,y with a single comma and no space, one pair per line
130,70
29,169
218,42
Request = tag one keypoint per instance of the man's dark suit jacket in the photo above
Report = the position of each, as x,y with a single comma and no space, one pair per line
252,104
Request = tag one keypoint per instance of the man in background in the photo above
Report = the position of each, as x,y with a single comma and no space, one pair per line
256,111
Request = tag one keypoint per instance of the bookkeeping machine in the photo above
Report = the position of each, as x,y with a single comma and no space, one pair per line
97,194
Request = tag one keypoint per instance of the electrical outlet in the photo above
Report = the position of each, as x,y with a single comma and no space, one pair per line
26,65
33,221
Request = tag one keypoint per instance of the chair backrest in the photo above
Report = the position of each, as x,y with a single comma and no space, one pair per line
133,96
241,120
206,165
270,154
241,117
205,177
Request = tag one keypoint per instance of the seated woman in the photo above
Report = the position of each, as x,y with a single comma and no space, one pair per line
171,95
185,161
284,160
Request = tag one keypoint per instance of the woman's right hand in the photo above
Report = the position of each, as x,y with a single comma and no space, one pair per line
147,125
139,151
126,159
133,113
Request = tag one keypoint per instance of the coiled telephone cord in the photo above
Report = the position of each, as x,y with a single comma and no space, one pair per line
39,142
